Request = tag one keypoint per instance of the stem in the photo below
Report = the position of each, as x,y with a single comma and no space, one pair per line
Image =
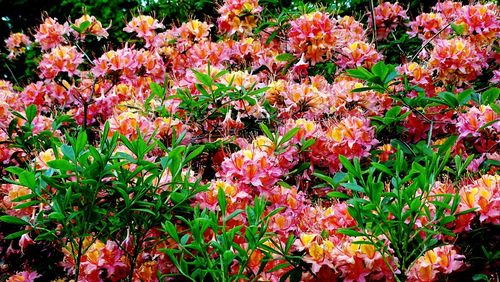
430,134
78,258
133,258
81,50
428,41
372,12
86,104
11,73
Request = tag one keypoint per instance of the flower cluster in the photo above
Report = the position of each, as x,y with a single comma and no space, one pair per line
100,261
483,195
313,35
16,44
144,26
480,124
51,33
95,26
238,16
456,60
60,59
387,17
443,259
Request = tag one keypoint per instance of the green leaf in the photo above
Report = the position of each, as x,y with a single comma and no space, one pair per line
157,89
480,277
278,267
169,227
353,187
16,234
337,195
289,135
82,27
222,200
204,78
360,73
490,96
233,215
30,113
26,205
285,57
195,153
13,220
381,70
393,112
68,152
443,148
347,164
464,96
81,141
57,216
307,143
449,98
458,28
350,232
27,179
266,131
14,170
62,165
382,168
489,123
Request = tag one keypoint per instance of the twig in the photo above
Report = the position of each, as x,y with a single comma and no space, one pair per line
374,25
81,50
12,73
429,41
397,44
86,104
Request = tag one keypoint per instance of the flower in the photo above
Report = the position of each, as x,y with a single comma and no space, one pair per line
238,16
427,25
145,27
60,59
51,33
456,60
387,17
480,23
94,28
358,53
24,276
16,44
483,195
312,36
444,259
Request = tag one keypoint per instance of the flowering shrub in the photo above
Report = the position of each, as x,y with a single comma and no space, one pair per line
253,147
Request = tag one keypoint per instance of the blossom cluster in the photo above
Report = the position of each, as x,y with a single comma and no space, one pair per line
180,79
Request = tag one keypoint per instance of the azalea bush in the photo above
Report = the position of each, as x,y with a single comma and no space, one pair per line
280,144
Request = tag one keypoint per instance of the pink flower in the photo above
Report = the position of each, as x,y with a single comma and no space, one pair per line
387,17
312,36
145,27
426,25
60,59
480,22
238,16
95,27
16,44
456,60
51,33
358,53
25,276
484,196
442,259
